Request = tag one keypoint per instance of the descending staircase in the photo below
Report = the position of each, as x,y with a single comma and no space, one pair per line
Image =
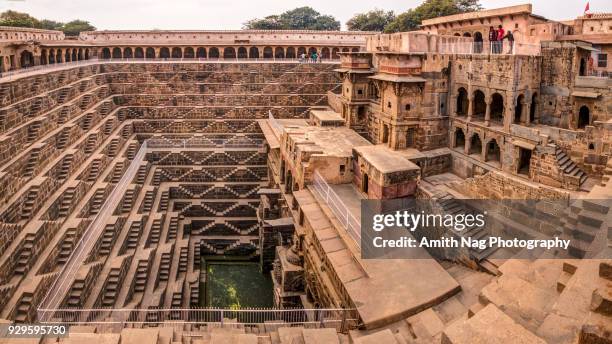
569,167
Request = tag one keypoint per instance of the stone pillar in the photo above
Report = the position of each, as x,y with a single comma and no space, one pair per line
527,113
488,102
452,105
470,108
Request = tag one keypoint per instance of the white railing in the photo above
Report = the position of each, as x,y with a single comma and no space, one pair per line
490,48
202,143
10,74
114,320
274,123
340,210
63,283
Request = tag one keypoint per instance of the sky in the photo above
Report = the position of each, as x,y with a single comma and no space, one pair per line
231,14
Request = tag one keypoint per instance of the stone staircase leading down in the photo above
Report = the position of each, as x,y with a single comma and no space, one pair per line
569,167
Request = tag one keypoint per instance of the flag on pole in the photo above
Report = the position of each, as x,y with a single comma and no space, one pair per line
586,9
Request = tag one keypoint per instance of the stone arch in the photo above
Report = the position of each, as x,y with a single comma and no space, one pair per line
43,57
177,53
459,139
584,117
478,42
457,34
480,105
86,54
355,50
518,109
27,59
582,70
365,183
139,53
188,53
335,52
213,53
373,91
463,102
52,56
128,53
268,53
80,54
201,53
279,53
59,59
229,53
345,50
493,152
475,145
534,108
74,55
164,53
325,53
242,53
311,50
68,55
117,53
301,50
253,53
290,53
497,108
385,133
467,34
150,53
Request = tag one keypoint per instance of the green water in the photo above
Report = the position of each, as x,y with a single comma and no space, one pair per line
237,285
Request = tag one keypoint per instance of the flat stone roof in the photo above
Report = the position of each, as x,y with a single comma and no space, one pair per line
326,115
384,159
332,141
518,9
396,78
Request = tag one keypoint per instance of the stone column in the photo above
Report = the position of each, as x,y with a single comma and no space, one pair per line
483,151
526,113
470,108
452,105
488,102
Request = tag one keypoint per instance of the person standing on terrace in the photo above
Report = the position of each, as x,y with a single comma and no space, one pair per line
492,39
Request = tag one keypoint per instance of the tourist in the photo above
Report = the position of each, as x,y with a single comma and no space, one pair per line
313,57
492,39
500,39
303,57
510,38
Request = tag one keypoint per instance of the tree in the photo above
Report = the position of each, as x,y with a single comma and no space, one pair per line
301,18
411,19
375,20
268,23
75,27
18,19
51,24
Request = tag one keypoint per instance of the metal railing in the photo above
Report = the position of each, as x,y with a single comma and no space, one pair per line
340,210
66,276
490,48
274,123
10,74
114,320
202,143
